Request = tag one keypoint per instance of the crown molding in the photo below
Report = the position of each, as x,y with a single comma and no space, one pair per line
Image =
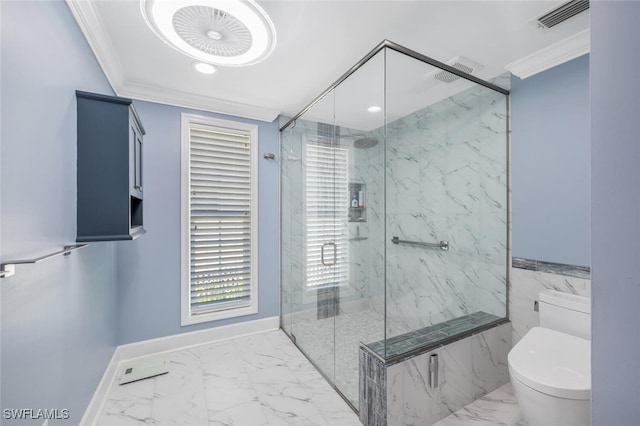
549,57
162,95
94,32
93,29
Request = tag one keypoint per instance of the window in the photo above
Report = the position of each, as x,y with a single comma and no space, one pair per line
219,219
326,204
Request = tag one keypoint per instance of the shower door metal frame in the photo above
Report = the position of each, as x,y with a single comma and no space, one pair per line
400,49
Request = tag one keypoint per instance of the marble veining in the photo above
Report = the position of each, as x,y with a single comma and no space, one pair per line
468,369
524,287
444,171
439,173
261,379
498,408
317,340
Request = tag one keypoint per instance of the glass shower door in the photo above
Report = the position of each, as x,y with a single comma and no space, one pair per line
359,118
312,251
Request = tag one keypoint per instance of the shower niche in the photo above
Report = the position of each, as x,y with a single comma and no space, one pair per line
384,165
357,208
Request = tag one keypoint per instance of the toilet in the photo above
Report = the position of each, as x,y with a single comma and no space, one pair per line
550,367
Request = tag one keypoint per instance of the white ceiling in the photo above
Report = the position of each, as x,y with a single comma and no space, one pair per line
317,42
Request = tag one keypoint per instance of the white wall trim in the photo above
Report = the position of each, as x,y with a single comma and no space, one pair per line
162,95
99,397
549,57
125,353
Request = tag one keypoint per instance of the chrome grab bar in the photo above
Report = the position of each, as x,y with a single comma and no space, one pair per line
7,268
335,253
444,245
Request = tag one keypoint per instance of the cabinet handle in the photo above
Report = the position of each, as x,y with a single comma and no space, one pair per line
138,164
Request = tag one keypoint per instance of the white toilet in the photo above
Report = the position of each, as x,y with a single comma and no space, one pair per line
550,367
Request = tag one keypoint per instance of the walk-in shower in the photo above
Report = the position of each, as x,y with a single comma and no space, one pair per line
394,202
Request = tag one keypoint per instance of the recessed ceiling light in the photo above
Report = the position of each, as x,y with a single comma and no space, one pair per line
204,68
221,32
374,108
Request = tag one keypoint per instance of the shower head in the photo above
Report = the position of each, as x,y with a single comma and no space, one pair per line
365,142
361,140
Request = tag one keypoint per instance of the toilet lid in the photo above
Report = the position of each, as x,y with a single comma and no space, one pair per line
552,362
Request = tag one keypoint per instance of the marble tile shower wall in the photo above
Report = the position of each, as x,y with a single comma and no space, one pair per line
366,262
400,394
292,237
523,292
445,180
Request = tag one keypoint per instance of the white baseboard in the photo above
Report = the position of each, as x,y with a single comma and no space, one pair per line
195,338
100,395
176,342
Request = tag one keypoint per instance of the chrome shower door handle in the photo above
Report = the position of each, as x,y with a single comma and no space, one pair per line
335,253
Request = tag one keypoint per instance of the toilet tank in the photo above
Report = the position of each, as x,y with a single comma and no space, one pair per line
568,313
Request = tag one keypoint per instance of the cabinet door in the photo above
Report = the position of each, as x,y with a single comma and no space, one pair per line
135,152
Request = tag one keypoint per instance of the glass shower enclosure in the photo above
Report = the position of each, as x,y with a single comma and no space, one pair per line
394,207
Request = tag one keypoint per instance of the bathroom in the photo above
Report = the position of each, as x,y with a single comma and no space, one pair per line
63,320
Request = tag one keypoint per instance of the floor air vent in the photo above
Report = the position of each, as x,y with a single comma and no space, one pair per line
562,13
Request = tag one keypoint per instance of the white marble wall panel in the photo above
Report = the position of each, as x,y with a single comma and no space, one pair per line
457,378
523,292
446,180
366,257
421,405
489,367
445,171
468,369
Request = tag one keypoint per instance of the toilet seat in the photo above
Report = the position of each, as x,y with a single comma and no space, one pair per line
554,363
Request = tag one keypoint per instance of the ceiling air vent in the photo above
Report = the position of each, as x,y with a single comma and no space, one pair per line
459,63
562,13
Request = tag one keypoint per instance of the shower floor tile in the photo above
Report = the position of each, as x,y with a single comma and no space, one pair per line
337,354
498,408
261,379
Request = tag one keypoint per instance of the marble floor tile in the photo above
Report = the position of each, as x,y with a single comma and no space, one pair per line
256,380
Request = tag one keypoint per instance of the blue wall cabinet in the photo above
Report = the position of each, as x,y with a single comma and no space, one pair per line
110,180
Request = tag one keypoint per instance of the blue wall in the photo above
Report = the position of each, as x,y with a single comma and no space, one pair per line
149,267
58,317
550,164
615,212
62,319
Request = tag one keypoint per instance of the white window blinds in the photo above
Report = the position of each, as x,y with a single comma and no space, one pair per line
326,203
221,226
